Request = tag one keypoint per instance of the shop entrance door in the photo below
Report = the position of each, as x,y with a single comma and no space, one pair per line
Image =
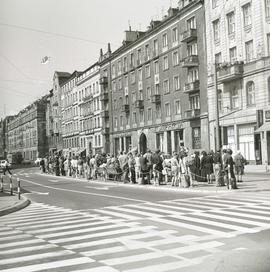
143,143
258,152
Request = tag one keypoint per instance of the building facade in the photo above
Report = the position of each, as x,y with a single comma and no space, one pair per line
157,84
239,45
2,139
27,132
53,113
90,122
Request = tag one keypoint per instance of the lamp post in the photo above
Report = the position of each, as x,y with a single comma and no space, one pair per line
217,142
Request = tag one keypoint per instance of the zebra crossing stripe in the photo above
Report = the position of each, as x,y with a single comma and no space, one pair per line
21,243
104,251
193,227
71,221
98,269
95,235
214,223
233,219
134,258
50,265
14,237
35,257
67,227
87,230
250,216
27,249
133,211
152,232
121,215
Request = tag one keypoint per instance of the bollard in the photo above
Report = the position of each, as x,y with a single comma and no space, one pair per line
10,185
2,184
19,188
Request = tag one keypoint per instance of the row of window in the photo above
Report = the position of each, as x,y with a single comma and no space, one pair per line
122,65
75,142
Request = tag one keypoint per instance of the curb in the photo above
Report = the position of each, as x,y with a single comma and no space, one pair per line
144,187
17,207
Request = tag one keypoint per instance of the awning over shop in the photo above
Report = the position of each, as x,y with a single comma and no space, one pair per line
264,127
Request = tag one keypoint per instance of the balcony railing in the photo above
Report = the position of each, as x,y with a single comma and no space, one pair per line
155,98
103,80
230,72
190,61
192,113
139,104
189,35
192,86
125,108
104,97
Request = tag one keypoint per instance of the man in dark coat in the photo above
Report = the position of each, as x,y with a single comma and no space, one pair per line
144,169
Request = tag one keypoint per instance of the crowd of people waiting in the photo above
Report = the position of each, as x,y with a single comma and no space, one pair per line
183,168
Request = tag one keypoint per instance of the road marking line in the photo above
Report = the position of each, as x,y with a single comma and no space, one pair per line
97,188
105,233
35,257
14,237
214,223
98,269
82,192
88,230
66,227
50,265
21,243
121,215
39,193
125,237
134,258
133,211
27,249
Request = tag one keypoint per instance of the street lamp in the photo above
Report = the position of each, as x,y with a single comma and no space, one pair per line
217,142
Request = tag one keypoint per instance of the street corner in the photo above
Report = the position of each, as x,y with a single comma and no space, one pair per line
10,204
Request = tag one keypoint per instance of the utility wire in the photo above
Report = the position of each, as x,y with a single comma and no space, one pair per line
52,33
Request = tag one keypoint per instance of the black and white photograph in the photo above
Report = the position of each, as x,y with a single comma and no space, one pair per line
134,136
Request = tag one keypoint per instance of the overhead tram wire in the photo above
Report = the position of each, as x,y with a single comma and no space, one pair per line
51,33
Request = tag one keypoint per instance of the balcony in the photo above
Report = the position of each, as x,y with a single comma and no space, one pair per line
125,108
103,80
192,86
88,98
190,61
189,35
192,113
139,104
156,99
104,114
230,72
104,97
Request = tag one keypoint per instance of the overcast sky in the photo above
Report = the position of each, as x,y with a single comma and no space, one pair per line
27,29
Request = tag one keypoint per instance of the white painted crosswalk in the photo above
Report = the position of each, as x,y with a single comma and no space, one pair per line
152,236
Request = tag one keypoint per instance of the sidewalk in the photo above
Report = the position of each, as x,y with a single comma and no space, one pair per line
11,203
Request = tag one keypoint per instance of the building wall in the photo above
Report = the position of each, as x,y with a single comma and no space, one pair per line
134,110
238,124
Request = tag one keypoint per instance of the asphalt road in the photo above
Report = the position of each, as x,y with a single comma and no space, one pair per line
75,225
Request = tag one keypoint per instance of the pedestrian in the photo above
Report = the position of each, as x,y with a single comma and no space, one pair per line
209,167
137,166
217,167
157,167
80,167
131,168
6,167
204,169
144,170
149,157
240,163
229,170
74,166
197,166
123,161
175,169
56,165
167,170
42,166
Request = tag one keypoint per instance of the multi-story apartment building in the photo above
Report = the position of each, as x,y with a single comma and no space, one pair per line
158,85
27,131
91,124
2,139
238,44
70,116
53,113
